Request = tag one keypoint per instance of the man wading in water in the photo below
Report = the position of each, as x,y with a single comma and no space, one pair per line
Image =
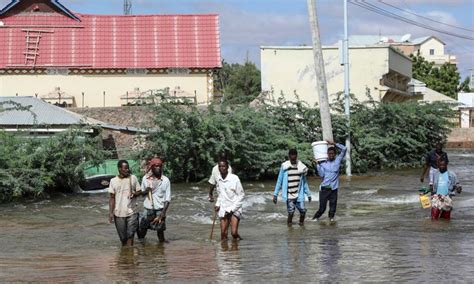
215,176
158,188
431,162
329,172
229,201
123,208
292,182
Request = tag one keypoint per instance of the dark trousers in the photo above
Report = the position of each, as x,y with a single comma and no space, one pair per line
326,195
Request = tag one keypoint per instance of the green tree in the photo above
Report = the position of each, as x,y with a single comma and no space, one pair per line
464,86
444,79
239,83
257,140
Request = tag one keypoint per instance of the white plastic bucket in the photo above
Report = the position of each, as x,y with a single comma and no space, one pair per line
320,150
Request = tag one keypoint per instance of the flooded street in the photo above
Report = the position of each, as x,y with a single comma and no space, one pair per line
380,234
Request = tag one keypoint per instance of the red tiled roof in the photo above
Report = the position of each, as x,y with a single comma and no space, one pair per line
98,41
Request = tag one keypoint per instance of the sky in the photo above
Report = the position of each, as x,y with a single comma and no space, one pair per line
245,25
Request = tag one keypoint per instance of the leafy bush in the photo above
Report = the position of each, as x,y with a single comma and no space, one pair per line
256,140
35,167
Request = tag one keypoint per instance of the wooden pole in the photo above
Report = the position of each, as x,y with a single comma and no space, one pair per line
213,222
320,73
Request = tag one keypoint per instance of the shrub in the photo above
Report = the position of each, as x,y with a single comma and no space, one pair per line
33,167
256,140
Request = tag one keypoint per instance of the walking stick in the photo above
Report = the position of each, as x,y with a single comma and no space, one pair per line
213,222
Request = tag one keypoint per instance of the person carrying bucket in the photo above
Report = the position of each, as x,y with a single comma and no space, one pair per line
293,185
329,172
158,190
445,184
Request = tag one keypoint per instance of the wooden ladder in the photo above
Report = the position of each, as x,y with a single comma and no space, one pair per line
31,53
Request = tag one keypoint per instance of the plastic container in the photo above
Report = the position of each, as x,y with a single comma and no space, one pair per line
320,150
425,200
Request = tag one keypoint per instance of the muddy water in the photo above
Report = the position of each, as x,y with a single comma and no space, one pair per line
381,234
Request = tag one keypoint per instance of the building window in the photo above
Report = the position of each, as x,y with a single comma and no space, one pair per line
431,51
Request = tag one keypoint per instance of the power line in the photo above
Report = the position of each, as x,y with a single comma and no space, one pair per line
426,18
389,14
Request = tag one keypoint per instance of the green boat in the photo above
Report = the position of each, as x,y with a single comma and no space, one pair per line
98,177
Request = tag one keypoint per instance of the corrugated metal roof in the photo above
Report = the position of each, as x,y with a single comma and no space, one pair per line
40,113
112,41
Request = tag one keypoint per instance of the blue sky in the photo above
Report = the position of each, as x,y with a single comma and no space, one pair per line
248,24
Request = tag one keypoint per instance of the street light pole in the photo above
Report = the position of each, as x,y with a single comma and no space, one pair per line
347,104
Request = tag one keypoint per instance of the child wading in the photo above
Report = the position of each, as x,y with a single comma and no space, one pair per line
329,172
445,185
229,201
292,182
158,188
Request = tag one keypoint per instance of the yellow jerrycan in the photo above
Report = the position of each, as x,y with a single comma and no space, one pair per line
425,198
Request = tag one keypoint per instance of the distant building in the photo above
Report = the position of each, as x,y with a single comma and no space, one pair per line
97,59
430,47
466,108
380,72
471,81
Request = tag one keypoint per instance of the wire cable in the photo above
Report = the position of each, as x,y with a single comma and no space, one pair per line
389,14
423,17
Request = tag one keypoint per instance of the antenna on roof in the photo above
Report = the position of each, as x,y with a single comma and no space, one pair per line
127,7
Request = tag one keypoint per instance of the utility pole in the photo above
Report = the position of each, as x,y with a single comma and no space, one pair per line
347,105
320,73
127,7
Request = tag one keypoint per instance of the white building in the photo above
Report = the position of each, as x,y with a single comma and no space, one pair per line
430,47
381,72
466,108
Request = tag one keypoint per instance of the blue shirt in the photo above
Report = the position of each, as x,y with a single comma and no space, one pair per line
443,181
282,182
329,170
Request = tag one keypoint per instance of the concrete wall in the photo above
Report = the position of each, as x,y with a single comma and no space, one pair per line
93,86
134,116
461,138
291,70
467,99
399,63
430,95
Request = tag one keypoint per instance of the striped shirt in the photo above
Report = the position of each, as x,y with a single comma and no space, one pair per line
294,178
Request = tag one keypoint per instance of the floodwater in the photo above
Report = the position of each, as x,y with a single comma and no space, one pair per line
380,234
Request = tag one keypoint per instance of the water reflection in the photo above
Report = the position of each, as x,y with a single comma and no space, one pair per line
229,262
330,255
126,263
234,245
